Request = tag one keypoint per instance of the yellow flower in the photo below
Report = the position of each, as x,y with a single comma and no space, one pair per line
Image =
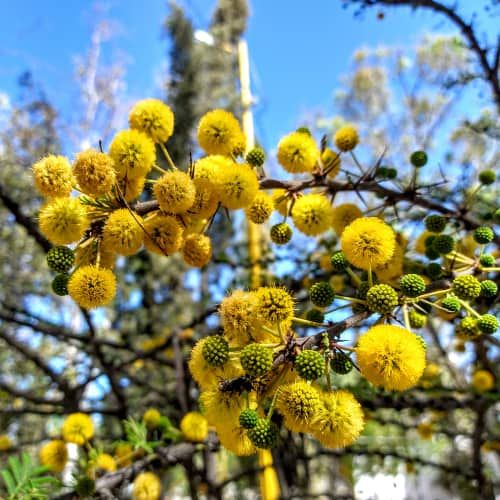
346,138
298,152
237,316
103,462
123,232
391,357
197,250
261,208
94,172
91,286
331,162
483,380
133,153
298,402
86,254
175,192
206,199
154,118
312,214
63,220
131,188
281,201
163,234
274,305
219,133
147,486
431,370
78,428
393,268
339,421
54,455
123,454
207,376
151,418
220,407
368,242
234,438
425,430
194,427
343,215
5,442
238,186
210,168
53,177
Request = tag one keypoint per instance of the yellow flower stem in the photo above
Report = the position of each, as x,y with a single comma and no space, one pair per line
306,322
468,308
433,304
370,276
354,276
350,299
269,330
460,256
281,333
431,294
489,269
406,317
167,156
159,169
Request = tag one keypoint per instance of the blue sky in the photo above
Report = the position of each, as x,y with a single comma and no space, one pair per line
298,49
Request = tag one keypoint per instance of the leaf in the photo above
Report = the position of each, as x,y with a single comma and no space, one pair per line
9,481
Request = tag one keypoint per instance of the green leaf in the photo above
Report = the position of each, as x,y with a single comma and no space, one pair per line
9,481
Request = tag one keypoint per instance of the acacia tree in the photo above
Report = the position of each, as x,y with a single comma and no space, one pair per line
128,372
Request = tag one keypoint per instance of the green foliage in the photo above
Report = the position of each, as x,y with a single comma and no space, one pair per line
24,479
137,435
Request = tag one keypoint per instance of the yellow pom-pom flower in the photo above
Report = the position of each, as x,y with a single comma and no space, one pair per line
63,220
368,242
78,428
124,453
219,133
483,380
274,305
147,486
133,153
53,176
197,250
175,192
123,232
206,375
331,162
346,138
237,316
298,152
5,442
281,201
91,286
220,406
391,357
210,168
343,215
298,402
54,455
154,118
234,438
205,201
103,462
94,172
151,418
131,189
194,427
261,208
339,421
163,234
238,186
312,214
